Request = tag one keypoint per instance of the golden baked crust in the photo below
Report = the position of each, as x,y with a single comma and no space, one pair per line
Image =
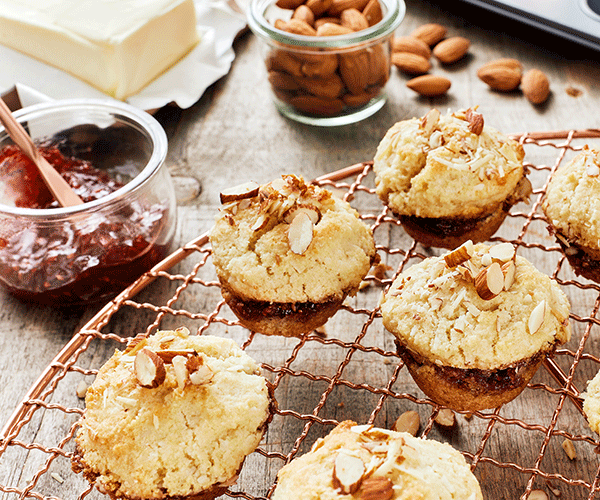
258,265
572,207
591,403
443,314
436,166
180,439
408,468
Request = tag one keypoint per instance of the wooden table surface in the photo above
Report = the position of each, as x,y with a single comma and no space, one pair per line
234,134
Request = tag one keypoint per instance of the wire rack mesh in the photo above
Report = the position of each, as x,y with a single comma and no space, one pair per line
347,370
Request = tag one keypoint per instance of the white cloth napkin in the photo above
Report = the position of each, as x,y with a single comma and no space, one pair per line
219,22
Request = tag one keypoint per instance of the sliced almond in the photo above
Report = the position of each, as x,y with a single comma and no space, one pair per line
181,372
199,372
445,419
536,318
81,389
490,281
149,369
409,422
313,213
239,192
569,448
502,252
537,495
376,488
430,120
300,233
167,355
348,472
460,254
508,269
592,170
475,121
260,222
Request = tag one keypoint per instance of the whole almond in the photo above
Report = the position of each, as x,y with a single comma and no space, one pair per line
331,29
452,49
502,78
329,88
322,20
337,6
319,7
506,62
353,19
281,80
317,105
379,66
430,33
288,4
320,67
373,12
411,44
297,27
410,63
535,86
429,85
355,70
304,14
354,101
282,60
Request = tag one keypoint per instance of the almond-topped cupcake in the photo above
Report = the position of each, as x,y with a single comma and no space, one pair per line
572,207
474,325
362,462
449,178
287,254
591,403
172,417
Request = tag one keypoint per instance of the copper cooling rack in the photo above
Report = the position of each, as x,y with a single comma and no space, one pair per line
348,370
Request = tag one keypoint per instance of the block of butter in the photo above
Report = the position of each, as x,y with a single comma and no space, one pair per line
118,46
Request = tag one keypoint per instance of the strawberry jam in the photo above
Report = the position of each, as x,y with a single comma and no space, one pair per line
77,258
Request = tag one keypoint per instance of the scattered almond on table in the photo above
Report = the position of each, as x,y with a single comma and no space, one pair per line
411,54
445,419
409,422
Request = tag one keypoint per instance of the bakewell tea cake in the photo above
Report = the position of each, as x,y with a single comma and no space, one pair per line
287,254
591,403
362,462
449,178
474,325
173,416
116,46
572,207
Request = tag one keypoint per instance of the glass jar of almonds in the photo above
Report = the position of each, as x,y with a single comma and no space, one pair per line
328,61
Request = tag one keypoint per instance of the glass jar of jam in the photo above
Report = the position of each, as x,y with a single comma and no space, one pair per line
113,155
